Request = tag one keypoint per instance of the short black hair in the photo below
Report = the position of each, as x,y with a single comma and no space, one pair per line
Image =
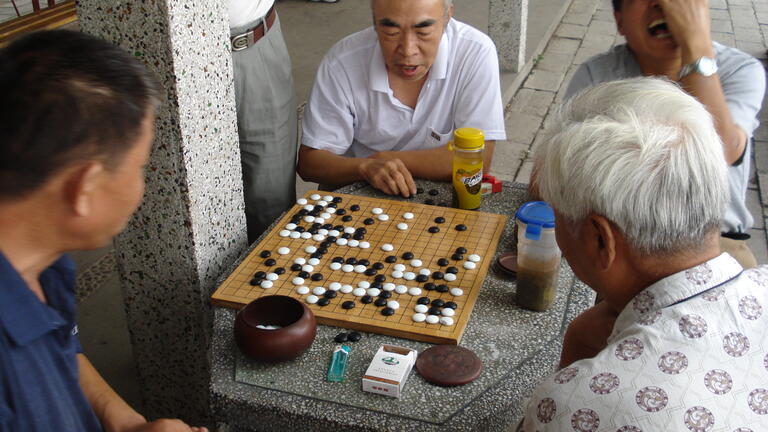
616,5
67,97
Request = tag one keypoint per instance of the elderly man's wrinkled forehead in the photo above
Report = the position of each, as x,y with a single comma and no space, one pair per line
447,4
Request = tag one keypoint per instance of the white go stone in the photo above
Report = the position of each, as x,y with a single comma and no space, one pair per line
283,250
309,207
309,218
359,292
324,215
373,292
346,289
402,226
353,243
349,230
301,201
393,304
469,265
302,290
474,258
450,277
448,312
300,261
267,284
388,286
315,197
433,319
386,247
342,241
425,272
414,291
418,317
308,268
310,249
306,235
335,266
333,233
334,286
346,268
319,220
272,276
383,217
322,202
360,268
364,245
318,290
297,280
446,321
364,284
416,263
322,231
420,308
377,211
457,292
313,261
399,267
312,299
407,215
409,276
291,226
330,210
328,198
318,237
284,233
397,274
401,289
295,235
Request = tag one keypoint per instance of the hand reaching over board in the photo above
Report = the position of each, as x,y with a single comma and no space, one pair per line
390,176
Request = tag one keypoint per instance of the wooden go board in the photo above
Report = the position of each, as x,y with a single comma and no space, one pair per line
481,237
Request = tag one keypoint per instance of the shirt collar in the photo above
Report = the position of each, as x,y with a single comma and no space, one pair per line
705,278
24,317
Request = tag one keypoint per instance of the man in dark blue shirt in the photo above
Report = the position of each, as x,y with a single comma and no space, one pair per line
77,124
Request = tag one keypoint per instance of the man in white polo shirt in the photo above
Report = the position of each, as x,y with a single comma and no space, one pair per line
387,99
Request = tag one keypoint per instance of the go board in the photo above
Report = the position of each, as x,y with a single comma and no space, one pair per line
360,276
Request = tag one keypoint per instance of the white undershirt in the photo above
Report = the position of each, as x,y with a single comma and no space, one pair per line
244,12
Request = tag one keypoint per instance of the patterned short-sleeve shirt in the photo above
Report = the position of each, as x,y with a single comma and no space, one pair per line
688,353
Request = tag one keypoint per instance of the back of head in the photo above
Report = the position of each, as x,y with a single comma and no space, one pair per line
645,155
67,97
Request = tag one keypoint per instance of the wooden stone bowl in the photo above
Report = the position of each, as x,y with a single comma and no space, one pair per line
297,332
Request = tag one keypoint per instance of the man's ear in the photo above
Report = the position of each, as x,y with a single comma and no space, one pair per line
619,22
604,235
450,12
80,187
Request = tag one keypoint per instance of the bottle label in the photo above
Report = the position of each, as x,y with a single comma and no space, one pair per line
471,180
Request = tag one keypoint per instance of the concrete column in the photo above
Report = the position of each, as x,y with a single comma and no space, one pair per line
191,225
507,25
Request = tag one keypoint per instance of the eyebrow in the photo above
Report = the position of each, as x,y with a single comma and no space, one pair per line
387,22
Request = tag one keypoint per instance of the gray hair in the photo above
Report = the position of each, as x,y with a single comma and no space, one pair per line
642,153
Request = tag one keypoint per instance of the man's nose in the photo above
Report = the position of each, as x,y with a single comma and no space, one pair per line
654,4
408,44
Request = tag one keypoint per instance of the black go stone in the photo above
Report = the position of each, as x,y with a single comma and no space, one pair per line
270,262
451,305
255,281
323,249
349,304
368,221
385,294
354,207
330,294
325,301
338,259
339,228
346,218
438,302
315,213
316,225
341,338
361,230
438,275
439,219
378,265
434,229
337,200
376,285
429,286
461,227
442,262
358,236
366,299
303,274
265,254
434,311
351,260
354,336
461,250
303,212
260,275
422,278
317,255
423,301
327,226
341,212
407,255
325,244
312,230
390,259
429,202
296,219
419,190
380,301
331,239
317,277
278,271
457,257
380,278
364,262
443,204
387,311
333,205
442,288
300,229
370,272
433,192
452,269
295,267
346,236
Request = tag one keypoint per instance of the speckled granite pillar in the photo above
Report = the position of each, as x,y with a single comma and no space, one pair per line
191,224
507,25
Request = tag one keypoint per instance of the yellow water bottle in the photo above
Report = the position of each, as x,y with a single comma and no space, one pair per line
467,147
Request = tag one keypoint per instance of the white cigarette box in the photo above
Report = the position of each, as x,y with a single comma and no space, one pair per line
389,370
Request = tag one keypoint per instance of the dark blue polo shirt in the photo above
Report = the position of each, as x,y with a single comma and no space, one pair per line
39,388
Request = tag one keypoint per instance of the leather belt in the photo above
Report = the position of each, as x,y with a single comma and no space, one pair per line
247,39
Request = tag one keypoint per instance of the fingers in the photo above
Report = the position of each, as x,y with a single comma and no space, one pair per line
390,176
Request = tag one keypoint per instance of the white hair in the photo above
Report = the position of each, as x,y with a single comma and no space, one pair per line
642,153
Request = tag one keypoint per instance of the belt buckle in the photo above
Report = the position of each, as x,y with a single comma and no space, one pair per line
241,41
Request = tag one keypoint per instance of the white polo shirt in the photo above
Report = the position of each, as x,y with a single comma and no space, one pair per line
353,112
244,12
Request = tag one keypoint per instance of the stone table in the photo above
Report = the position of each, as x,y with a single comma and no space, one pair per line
518,349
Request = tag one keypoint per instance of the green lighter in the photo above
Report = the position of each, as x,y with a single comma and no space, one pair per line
338,366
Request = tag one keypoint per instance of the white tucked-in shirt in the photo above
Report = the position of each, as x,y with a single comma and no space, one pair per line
244,12
352,111
688,353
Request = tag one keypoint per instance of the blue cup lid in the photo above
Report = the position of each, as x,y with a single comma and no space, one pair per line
535,215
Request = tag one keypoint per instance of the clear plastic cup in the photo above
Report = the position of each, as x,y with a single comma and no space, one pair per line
538,257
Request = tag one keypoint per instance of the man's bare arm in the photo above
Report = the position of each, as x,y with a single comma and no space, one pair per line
434,163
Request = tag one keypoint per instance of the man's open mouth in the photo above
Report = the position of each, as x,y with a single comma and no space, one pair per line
658,29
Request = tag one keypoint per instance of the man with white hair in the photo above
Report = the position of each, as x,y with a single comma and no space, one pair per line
387,99
636,175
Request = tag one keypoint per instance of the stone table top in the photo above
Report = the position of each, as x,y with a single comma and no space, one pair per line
518,349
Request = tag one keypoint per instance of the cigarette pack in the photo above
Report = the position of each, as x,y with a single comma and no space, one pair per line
389,370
